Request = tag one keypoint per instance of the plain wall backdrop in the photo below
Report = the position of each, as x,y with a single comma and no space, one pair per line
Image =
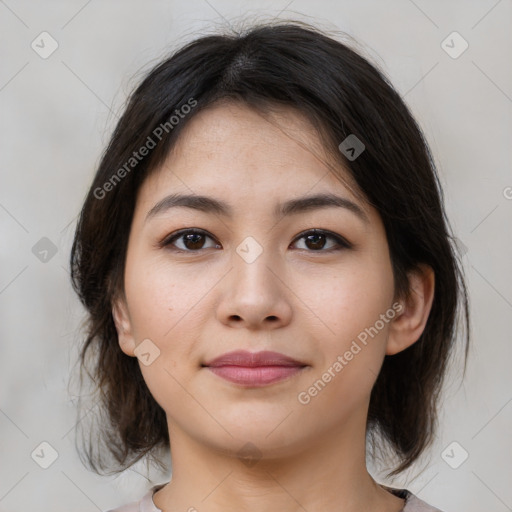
57,113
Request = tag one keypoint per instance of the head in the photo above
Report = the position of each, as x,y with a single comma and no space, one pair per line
256,121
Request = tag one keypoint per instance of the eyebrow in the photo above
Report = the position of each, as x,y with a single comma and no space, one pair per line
208,204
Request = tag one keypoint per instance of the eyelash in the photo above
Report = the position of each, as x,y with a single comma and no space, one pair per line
341,242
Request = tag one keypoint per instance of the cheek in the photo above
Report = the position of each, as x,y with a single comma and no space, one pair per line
350,301
354,348
164,308
161,298
351,304
162,311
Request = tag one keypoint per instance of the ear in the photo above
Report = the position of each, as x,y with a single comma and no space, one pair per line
123,327
408,326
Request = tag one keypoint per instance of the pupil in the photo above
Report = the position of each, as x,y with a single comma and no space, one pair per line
317,239
193,241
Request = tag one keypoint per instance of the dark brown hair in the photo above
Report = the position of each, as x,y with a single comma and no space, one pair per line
288,65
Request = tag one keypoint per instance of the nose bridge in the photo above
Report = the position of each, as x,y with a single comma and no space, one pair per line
255,293
254,267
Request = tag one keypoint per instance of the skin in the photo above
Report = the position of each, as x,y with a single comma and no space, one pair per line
308,304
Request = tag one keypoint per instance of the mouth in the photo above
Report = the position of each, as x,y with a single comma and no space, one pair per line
254,369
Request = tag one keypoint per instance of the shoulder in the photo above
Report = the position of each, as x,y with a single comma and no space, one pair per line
145,504
130,507
414,504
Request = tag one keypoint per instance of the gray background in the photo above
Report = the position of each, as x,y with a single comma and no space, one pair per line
57,115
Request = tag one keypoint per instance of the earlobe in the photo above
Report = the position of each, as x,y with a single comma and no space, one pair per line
123,327
408,326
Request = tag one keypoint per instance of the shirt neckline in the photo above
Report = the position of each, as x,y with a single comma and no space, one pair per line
400,493
148,505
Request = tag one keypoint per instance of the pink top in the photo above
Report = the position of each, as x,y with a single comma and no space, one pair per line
146,504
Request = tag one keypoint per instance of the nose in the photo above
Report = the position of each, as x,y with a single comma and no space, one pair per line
255,295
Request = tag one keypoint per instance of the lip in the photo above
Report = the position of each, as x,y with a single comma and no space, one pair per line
253,359
254,369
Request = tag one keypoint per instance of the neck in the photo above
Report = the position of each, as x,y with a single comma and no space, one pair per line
328,474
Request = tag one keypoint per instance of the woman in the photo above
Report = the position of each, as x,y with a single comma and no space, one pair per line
270,280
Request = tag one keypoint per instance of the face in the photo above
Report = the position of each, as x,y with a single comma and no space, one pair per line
314,284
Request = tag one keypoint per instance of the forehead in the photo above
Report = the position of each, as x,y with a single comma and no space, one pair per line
230,149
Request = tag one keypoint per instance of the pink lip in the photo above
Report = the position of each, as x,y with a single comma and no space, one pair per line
254,369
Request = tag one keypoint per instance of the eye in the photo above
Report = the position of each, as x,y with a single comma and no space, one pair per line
315,240
192,240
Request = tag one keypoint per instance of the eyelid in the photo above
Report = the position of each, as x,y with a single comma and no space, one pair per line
180,232
341,241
